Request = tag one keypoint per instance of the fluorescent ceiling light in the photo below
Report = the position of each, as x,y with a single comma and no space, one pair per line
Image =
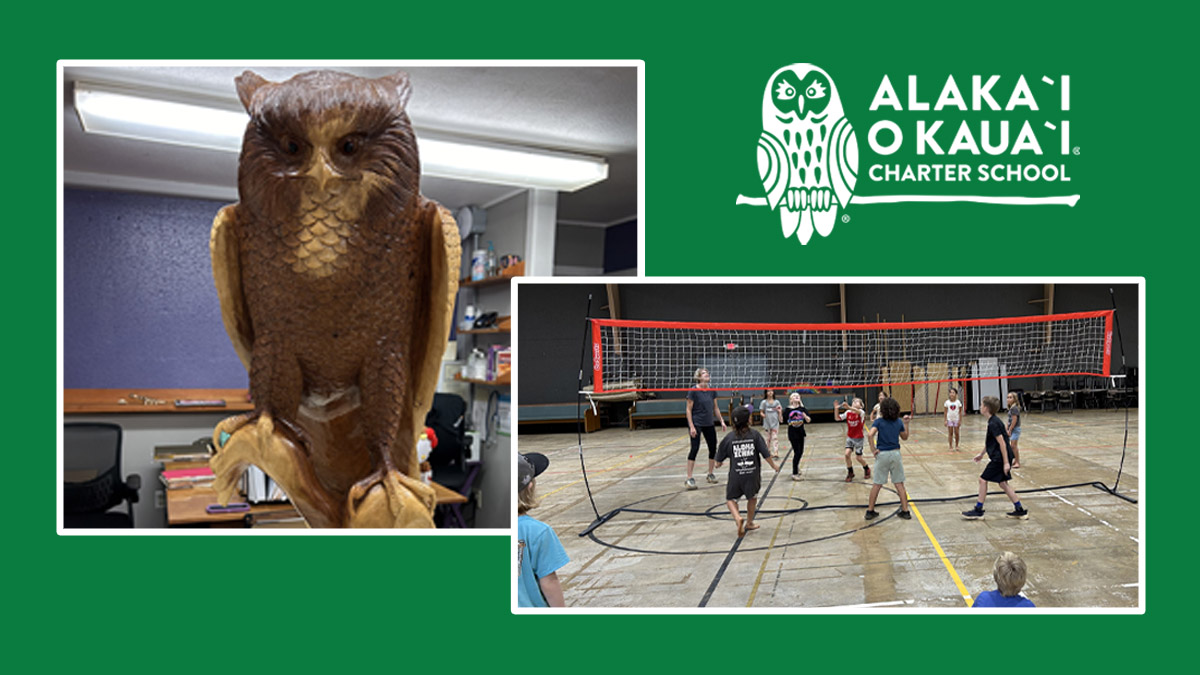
125,113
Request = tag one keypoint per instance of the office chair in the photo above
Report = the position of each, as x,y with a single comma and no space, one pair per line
92,477
447,418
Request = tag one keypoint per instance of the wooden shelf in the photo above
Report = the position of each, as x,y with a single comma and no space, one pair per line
104,401
488,331
488,281
502,382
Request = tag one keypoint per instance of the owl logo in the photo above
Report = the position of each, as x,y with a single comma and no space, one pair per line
807,153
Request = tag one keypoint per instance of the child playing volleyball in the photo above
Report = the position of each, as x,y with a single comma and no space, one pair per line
953,415
1014,427
875,410
999,463
743,447
539,552
796,416
854,418
890,430
772,409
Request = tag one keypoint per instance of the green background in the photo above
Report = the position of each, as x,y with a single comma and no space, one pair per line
386,604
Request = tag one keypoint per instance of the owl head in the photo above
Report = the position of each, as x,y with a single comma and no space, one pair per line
800,92
325,137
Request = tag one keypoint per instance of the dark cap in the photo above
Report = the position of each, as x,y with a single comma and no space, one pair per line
740,416
530,466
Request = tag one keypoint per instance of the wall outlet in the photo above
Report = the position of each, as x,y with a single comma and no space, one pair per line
160,499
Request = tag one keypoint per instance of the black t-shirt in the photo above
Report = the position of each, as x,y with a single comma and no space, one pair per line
795,420
744,453
996,428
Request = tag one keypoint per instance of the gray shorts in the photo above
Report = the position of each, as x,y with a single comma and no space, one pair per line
888,467
856,443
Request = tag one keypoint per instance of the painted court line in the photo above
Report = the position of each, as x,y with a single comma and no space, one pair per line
962,589
770,548
611,468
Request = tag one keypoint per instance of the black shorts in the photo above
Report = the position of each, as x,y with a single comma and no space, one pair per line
743,486
994,472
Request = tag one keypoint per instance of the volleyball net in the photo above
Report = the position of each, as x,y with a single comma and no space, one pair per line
630,356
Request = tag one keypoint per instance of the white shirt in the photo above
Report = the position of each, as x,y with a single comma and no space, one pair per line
952,410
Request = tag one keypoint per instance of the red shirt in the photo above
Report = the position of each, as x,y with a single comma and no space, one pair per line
854,423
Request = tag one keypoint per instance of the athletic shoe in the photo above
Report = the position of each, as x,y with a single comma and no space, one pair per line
690,483
974,514
907,515
711,478
795,476
1018,513
867,469
849,477
872,515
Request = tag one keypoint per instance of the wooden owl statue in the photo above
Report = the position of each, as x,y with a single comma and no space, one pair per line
337,282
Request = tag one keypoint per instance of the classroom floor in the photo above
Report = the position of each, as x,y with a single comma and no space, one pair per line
667,547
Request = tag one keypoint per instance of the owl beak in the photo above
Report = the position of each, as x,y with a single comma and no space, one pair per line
321,171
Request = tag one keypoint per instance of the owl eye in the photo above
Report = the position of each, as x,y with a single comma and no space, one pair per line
815,90
351,145
785,91
289,145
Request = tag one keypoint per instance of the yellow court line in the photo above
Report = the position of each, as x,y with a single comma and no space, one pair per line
942,554
767,554
673,442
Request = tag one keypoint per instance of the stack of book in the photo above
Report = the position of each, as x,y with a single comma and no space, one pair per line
260,488
176,479
198,451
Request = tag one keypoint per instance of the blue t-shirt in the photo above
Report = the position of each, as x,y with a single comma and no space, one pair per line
703,401
539,552
996,599
888,437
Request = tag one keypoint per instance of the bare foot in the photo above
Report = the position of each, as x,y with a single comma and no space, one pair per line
751,526
740,526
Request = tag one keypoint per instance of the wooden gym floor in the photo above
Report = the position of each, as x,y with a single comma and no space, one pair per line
672,548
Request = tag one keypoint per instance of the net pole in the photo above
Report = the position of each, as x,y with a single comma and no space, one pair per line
1121,345
579,402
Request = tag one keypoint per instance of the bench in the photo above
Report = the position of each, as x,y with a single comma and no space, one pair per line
557,413
657,409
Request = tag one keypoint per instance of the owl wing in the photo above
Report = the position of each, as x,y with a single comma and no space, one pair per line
429,345
773,168
843,161
227,275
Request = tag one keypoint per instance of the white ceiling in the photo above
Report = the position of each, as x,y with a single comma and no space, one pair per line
589,110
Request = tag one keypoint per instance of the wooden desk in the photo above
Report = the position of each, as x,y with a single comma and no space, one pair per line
105,401
186,506
445,495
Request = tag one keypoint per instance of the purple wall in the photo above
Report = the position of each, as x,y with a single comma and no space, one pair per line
139,306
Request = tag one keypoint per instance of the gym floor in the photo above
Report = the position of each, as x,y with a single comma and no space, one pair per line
668,547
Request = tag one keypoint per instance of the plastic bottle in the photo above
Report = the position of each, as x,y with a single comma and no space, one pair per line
478,265
493,269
